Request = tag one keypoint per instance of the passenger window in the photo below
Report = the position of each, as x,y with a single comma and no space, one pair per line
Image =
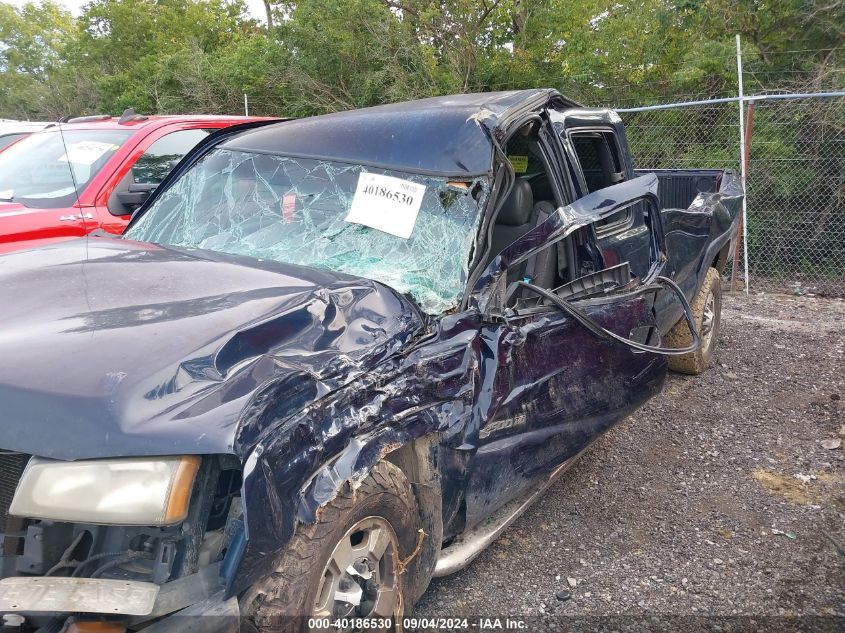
151,168
155,163
598,155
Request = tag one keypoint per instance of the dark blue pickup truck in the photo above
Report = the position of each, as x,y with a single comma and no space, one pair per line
343,354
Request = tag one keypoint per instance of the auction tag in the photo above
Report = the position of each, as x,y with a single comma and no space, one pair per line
519,163
387,204
86,152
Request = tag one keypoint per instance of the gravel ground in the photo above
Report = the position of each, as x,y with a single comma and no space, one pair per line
714,500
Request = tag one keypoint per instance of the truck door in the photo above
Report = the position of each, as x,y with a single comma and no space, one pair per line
557,385
595,146
142,171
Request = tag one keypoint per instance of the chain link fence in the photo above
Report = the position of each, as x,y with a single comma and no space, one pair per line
795,179
795,182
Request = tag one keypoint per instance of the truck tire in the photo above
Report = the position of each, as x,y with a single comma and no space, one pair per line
349,564
707,311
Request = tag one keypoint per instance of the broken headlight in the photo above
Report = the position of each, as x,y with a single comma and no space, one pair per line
128,491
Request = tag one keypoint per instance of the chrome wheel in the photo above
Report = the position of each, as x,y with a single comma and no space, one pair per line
708,320
360,579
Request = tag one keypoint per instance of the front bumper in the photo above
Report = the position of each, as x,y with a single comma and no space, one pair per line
145,606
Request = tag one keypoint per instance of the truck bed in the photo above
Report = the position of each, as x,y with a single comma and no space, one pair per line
679,187
698,227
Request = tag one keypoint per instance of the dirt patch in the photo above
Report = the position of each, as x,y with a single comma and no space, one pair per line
787,487
802,489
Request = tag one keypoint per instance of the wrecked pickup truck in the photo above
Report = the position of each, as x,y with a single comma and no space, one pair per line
332,358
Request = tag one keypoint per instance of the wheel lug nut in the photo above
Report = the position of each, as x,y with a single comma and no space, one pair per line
361,567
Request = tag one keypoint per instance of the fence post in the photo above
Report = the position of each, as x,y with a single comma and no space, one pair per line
742,159
246,105
749,126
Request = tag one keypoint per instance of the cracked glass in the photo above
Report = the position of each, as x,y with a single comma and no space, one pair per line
293,210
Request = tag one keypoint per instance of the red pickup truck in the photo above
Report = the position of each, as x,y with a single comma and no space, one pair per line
91,173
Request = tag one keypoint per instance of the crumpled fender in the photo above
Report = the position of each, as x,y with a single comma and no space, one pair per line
695,235
311,450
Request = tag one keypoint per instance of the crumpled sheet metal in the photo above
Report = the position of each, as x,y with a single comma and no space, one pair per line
174,355
563,222
570,402
722,205
725,204
432,387
449,381
695,236
435,135
444,382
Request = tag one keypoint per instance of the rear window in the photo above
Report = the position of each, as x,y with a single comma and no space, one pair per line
49,169
598,155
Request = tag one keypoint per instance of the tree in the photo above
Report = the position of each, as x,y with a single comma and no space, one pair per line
269,11
323,55
34,47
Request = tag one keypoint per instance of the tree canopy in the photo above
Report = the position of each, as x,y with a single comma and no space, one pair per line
315,56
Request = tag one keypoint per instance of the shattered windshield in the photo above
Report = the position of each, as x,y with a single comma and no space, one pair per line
412,232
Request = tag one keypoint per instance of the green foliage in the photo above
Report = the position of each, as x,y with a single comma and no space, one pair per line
35,42
352,54
318,56
324,55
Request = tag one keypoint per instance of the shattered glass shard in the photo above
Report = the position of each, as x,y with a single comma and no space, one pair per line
294,210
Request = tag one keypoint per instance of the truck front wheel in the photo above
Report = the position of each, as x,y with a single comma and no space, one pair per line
348,565
707,311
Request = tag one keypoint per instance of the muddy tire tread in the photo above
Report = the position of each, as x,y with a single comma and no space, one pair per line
281,597
696,362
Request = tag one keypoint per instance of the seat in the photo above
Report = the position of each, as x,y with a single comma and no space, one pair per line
542,189
518,216
541,269
515,219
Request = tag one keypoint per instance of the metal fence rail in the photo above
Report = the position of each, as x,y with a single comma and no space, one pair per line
795,180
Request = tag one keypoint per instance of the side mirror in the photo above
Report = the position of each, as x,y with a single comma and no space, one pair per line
135,196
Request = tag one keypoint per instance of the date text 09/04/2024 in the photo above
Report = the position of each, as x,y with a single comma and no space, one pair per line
412,624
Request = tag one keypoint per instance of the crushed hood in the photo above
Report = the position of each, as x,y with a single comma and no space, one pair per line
115,348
